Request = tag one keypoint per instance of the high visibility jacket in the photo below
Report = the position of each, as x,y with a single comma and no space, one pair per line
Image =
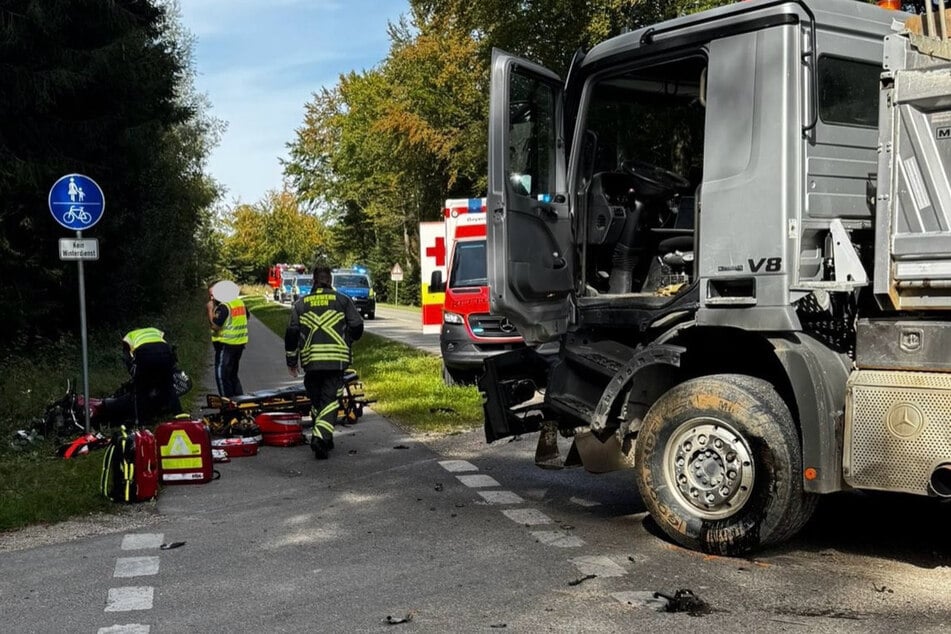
142,336
321,329
234,331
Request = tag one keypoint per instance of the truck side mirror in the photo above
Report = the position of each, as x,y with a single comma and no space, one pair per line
436,285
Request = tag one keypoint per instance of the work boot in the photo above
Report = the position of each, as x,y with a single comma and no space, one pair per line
319,447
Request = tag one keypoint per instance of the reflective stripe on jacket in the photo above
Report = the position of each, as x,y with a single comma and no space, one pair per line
234,331
142,336
321,328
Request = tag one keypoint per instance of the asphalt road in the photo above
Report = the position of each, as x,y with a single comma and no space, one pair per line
459,536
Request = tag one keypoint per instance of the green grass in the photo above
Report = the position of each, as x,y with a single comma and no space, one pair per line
37,487
406,383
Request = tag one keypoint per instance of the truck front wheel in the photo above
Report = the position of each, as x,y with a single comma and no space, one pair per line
719,465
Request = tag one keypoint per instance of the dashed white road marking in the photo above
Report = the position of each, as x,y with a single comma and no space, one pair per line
478,480
598,565
129,598
559,539
136,566
583,502
500,497
132,628
455,466
531,517
142,541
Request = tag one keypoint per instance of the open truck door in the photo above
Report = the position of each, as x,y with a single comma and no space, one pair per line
530,259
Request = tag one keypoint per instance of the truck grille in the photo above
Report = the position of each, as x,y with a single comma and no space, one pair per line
492,326
897,429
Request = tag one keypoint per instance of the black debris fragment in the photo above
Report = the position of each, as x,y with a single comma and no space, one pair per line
884,588
684,600
171,545
400,447
438,486
581,580
396,620
352,451
499,626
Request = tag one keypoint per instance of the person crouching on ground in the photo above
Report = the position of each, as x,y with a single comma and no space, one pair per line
151,362
319,335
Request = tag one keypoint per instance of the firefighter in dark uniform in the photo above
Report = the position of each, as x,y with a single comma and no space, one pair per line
151,362
322,327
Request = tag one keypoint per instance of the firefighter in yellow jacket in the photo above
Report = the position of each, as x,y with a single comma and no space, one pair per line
151,361
322,327
229,336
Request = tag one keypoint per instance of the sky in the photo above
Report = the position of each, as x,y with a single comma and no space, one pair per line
260,61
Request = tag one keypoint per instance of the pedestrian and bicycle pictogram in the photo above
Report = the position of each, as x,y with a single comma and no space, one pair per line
76,202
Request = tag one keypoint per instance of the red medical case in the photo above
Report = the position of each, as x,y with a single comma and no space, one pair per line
184,452
239,446
280,429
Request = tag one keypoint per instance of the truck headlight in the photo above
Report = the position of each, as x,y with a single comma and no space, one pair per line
451,318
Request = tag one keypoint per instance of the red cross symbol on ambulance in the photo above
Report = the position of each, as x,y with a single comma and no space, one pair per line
438,251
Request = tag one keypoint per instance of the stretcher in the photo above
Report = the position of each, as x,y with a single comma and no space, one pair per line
235,415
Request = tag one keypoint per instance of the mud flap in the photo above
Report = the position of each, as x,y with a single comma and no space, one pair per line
602,457
547,455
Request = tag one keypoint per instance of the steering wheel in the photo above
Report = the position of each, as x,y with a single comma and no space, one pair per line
654,181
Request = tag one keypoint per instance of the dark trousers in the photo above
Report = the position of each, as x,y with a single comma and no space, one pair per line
322,386
151,394
227,360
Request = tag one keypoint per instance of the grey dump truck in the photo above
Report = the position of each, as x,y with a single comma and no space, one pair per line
727,238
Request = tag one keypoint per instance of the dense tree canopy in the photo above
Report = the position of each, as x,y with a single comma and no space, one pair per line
273,230
102,88
384,148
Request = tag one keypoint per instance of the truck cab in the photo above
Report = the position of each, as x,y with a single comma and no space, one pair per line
686,231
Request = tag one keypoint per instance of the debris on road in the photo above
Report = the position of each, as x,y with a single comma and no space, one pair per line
577,582
396,620
684,600
171,545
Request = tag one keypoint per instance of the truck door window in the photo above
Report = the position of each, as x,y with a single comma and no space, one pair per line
531,163
848,92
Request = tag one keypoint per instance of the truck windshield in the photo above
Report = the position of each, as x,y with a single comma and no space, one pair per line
468,265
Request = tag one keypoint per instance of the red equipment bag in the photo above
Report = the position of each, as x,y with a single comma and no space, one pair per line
238,447
184,452
130,467
280,429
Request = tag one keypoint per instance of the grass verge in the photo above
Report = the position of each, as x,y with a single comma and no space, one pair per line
406,382
37,487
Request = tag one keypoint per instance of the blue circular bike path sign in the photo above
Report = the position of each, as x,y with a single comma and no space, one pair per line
77,202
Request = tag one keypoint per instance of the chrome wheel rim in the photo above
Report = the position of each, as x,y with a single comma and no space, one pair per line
709,467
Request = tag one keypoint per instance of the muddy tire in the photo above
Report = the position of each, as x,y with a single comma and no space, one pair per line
719,465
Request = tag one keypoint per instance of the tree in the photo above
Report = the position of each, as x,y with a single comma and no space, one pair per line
99,87
274,230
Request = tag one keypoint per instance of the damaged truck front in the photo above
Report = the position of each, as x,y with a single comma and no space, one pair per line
727,238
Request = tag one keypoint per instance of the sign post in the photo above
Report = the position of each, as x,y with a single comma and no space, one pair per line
396,274
77,203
